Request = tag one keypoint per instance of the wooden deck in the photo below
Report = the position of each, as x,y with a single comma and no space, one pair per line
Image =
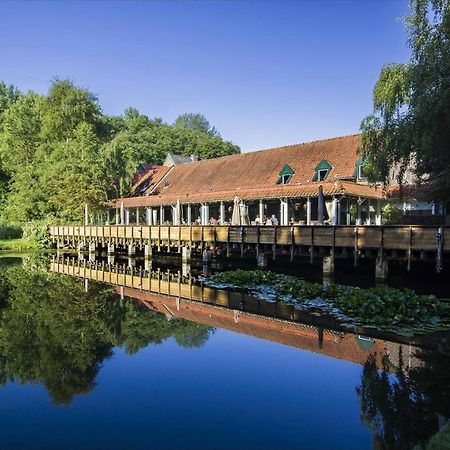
389,237
398,238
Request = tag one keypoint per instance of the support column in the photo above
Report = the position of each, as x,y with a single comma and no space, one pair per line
137,216
262,260
348,215
117,218
149,216
204,214
358,214
261,211
284,219
155,216
127,216
174,215
108,217
122,214
80,246
189,214
334,211
207,255
381,269
308,211
222,213
161,215
368,221
148,251
378,213
86,214
328,267
185,254
185,268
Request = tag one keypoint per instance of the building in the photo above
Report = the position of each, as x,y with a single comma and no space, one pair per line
309,183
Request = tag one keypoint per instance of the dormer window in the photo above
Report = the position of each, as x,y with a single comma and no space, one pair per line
361,172
285,175
360,175
322,170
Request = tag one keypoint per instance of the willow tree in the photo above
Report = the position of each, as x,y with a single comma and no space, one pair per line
410,124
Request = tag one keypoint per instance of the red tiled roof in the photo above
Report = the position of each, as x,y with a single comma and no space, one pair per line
153,174
277,191
254,175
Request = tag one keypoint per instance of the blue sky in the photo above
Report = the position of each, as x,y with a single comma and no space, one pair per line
264,73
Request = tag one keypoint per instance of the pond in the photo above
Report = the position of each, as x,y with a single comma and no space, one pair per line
93,365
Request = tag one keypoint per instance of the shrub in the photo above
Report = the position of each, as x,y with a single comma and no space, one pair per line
38,233
10,231
392,215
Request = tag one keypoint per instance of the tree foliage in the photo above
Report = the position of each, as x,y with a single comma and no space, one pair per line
53,332
195,122
59,151
410,124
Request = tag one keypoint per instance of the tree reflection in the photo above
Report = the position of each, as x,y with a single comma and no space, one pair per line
53,332
406,408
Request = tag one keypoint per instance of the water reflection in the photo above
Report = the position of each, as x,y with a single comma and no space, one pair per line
58,331
54,332
406,409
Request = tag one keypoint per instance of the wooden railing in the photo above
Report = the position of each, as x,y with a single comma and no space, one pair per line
402,237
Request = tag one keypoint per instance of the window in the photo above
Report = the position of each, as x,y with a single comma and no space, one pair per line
285,179
359,170
361,175
285,175
322,171
322,174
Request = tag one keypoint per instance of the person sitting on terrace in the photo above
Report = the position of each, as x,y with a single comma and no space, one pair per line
257,220
268,222
274,219
213,221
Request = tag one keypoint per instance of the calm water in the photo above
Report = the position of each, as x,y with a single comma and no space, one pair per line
94,370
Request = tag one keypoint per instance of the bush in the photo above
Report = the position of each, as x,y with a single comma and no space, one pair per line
9,231
392,215
38,233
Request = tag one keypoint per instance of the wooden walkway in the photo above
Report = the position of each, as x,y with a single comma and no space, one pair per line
405,243
388,237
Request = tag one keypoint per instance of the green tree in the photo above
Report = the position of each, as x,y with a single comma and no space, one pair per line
410,126
59,152
149,140
66,107
195,122
8,95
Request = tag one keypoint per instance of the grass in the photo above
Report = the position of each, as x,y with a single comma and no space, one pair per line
16,244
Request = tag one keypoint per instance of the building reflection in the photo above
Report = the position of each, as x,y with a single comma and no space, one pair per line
183,296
